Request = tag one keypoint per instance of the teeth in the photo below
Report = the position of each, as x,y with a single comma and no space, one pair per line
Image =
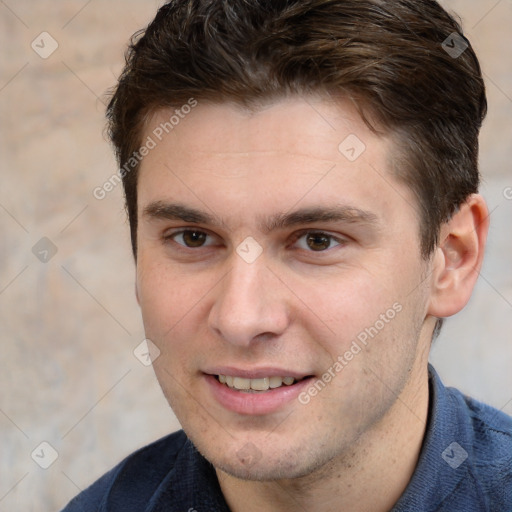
249,385
275,382
240,383
260,384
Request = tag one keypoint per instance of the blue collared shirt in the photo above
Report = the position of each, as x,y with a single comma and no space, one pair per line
465,465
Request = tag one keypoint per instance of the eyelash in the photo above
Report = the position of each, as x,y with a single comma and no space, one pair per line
295,237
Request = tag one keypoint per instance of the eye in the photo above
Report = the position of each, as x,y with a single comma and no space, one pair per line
191,238
317,241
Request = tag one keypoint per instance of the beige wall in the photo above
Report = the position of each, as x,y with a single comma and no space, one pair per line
68,327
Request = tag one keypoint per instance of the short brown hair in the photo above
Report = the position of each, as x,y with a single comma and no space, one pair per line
391,57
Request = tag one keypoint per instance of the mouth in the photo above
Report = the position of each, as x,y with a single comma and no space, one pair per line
260,385
256,392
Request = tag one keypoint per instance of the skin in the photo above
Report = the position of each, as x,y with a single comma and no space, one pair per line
356,443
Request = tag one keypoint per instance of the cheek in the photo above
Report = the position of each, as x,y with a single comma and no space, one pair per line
371,313
166,297
346,302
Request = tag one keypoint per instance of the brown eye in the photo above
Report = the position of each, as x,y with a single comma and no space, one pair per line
194,238
318,241
191,238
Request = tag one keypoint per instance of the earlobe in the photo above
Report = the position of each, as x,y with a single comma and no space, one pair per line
459,257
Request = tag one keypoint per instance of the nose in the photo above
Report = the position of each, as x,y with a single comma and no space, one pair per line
250,304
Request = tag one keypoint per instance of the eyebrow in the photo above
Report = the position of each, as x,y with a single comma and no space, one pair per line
345,214
160,210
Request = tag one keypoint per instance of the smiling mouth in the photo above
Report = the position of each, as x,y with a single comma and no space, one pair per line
261,385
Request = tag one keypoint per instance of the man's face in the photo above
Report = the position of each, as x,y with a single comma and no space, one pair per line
270,248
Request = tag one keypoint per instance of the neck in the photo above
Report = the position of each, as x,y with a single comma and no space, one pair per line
372,476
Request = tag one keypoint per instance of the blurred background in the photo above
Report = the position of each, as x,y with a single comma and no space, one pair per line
74,397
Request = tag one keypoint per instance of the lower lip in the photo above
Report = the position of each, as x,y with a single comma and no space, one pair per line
255,403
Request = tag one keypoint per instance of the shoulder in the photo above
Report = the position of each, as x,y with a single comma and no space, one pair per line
489,428
492,431
135,479
490,435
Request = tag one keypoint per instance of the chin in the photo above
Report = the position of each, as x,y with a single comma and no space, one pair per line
246,462
262,471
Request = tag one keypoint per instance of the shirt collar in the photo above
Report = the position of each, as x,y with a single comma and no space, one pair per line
192,485
445,460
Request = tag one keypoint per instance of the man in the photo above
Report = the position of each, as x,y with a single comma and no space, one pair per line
301,182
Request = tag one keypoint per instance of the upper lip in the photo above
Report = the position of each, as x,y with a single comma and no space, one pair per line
256,373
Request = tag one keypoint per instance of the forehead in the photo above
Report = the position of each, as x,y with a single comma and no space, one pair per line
228,159
306,126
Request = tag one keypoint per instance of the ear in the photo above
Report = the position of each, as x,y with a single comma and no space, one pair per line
458,258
